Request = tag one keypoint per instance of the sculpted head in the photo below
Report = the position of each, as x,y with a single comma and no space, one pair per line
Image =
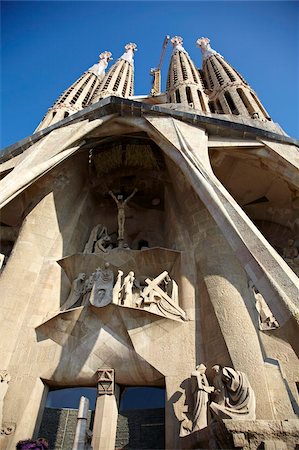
201,368
217,368
82,276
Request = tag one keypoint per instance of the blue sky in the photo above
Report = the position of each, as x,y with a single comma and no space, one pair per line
46,46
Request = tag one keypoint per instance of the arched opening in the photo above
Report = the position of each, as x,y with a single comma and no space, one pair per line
177,96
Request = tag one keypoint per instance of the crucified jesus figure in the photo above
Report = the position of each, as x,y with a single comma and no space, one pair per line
121,204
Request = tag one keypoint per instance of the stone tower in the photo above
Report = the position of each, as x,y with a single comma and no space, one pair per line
184,82
79,94
152,241
119,80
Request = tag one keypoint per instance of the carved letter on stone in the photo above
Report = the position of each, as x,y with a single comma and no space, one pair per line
236,399
105,381
101,294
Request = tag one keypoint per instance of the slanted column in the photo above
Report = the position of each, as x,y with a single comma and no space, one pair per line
80,436
106,413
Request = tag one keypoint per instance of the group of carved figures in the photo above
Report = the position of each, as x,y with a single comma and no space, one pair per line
99,240
158,295
229,397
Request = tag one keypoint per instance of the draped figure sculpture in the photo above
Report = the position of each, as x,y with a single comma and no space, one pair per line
201,390
76,291
235,398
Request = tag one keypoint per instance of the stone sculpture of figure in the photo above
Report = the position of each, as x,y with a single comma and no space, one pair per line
127,288
116,293
121,216
76,291
101,294
156,300
266,319
98,240
88,285
236,399
201,390
102,244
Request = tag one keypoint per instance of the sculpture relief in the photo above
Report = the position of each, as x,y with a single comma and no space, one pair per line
76,291
158,295
230,397
266,319
235,397
154,297
101,293
121,216
99,240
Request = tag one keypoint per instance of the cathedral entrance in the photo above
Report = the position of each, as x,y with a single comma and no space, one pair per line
141,419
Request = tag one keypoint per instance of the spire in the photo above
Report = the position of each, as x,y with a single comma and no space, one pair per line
99,68
206,50
119,80
184,83
229,92
78,95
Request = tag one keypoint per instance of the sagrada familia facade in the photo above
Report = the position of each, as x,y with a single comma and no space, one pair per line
153,241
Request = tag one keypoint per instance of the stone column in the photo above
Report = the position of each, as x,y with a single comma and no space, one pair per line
106,413
80,436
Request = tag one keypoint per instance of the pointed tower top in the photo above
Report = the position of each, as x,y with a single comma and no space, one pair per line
129,54
206,50
99,68
177,43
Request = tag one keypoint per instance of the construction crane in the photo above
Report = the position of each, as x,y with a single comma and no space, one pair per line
156,85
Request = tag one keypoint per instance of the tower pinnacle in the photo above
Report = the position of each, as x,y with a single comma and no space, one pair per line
206,50
99,68
177,43
129,53
184,82
228,92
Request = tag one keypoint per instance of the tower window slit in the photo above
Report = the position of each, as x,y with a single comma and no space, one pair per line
184,69
245,101
212,106
192,71
227,70
219,109
189,95
217,72
87,96
118,79
202,103
209,76
177,96
231,103
203,79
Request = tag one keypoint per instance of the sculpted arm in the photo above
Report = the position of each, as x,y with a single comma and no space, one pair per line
130,196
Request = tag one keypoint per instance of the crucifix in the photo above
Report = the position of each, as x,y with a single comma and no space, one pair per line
121,216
